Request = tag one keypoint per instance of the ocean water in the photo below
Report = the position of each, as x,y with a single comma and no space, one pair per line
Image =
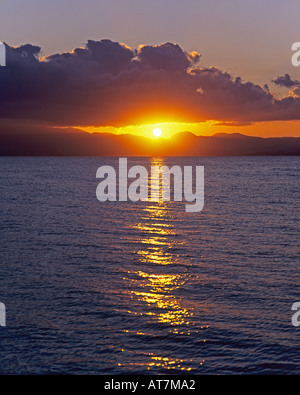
146,288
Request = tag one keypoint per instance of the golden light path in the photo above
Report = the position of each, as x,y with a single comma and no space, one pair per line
153,287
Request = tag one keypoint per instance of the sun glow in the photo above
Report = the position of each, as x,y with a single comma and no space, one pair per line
168,129
157,132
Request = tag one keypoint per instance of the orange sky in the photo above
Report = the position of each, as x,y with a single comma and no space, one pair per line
260,129
108,87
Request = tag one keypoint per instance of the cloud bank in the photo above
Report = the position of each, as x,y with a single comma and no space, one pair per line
107,83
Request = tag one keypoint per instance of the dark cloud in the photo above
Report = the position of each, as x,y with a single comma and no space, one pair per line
168,56
286,81
108,83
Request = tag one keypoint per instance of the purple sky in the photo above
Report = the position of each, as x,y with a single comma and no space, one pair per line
251,39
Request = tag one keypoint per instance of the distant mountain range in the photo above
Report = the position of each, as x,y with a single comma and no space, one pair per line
75,142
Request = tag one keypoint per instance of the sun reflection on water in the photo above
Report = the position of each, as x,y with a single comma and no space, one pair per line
153,288
165,363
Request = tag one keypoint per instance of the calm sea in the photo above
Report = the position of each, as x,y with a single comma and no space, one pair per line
146,288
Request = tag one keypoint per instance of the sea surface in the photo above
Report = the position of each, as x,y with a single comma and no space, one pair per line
146,288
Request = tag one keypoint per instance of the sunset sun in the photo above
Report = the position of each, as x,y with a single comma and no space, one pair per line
157,132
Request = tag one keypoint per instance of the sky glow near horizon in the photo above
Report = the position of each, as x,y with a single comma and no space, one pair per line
251,40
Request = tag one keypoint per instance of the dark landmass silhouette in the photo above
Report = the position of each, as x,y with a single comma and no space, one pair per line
75,142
